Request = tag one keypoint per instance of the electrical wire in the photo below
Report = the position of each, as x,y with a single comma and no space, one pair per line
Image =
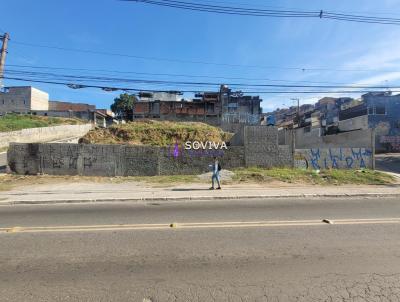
114,88
302,69
173,74
257,12
103,79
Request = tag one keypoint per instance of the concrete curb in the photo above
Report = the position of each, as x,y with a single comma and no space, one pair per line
194,198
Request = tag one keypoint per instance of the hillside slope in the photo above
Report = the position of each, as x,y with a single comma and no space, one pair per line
14,122
155,133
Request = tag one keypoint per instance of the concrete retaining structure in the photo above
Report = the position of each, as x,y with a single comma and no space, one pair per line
334,158
259,148
43,134
251,146
353,139
115,160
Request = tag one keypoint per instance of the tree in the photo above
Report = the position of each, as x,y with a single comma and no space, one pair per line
123,105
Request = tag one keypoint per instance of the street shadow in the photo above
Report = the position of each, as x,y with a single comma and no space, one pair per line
184,190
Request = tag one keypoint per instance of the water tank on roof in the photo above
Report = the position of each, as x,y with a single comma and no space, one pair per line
270,120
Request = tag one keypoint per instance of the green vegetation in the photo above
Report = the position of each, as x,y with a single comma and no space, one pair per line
243,175
123,104
155,133
328,177
14,122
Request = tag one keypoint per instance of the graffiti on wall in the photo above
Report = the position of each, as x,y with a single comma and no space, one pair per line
334,158
392,141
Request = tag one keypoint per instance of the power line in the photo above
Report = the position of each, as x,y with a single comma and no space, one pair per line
303,69
257,12
292,8
135,89
56,76
176,75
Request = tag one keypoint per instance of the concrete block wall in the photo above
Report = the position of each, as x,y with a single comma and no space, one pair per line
353,139
285,156
334,158
231,127
43,134
262,149
115,160
198,161
238,138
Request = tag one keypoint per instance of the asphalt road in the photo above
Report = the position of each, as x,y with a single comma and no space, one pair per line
388,162
239,250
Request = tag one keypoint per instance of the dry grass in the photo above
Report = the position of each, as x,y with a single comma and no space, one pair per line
155,133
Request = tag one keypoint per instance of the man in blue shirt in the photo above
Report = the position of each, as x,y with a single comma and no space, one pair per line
216,167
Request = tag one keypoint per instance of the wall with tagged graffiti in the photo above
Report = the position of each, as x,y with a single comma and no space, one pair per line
258,147
115,160
334,158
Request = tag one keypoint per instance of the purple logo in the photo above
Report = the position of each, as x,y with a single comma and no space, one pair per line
176,150
208,149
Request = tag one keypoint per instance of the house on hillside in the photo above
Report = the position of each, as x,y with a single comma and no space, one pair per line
224,107
379,111
30,100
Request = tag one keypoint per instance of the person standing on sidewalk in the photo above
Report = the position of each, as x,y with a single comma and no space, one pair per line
216,167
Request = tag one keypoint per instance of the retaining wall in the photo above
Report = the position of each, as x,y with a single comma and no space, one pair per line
259,148
353,139
334,158
43,134
115,160
252,146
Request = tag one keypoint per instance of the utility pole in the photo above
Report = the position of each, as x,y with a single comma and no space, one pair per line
3,54
298,110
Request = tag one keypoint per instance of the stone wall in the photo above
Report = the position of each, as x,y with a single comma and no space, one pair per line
231,127
198,161
252,146
43,134
115,160
262,149
334,158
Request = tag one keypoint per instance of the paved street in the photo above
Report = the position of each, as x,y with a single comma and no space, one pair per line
388,162
234,250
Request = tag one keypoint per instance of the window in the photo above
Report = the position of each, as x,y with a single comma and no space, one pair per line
3,102
370,110
380,110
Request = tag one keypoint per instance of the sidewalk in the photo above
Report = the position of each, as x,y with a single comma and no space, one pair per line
134,191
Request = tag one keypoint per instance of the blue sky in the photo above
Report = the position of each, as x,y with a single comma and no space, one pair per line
144,30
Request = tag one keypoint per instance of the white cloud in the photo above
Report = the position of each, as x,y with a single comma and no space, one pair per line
380,79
